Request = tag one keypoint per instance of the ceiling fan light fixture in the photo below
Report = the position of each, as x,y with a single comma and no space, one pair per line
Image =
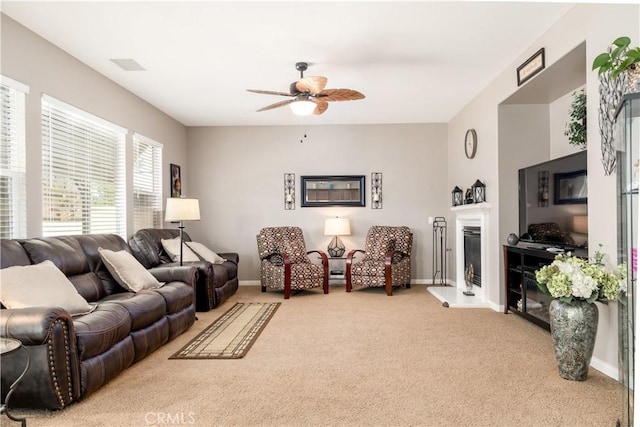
303,107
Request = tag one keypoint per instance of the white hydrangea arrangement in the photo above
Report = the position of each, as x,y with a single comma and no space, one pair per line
570,279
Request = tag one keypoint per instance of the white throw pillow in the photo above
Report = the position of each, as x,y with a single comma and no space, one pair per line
205,252
172,248
127,271
41,285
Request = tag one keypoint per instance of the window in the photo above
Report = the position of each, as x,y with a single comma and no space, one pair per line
147,183
83,172
13,191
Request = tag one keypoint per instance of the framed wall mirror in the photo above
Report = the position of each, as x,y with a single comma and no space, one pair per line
336,190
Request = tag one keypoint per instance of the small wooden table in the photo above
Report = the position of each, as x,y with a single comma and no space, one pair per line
9,346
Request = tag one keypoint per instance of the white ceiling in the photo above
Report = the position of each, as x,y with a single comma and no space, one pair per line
416,62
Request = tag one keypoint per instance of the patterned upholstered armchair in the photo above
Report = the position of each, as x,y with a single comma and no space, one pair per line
386,261
285,264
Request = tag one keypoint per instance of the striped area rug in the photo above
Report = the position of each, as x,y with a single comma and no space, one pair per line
232,334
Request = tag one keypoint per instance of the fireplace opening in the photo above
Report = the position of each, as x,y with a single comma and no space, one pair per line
472,252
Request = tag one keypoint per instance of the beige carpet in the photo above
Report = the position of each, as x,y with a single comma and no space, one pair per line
358,359
232,334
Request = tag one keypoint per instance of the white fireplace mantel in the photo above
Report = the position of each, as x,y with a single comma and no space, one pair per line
472,215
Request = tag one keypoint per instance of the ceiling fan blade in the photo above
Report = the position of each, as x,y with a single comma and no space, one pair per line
277,104
321,106
269,92
311,84
340,95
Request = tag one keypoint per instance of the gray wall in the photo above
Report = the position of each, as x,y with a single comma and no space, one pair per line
237,173
597,25
46,69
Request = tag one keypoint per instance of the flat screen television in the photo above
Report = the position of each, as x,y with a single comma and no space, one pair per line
553,202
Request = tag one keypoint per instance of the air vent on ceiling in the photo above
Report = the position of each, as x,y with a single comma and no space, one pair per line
128,64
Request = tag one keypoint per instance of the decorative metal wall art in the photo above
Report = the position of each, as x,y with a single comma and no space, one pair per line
289,191
543,189
376,190
610,98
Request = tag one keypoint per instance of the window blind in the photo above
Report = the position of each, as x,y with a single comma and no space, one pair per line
13,190
83,172
147,183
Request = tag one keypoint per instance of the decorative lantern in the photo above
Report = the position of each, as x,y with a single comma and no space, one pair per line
479,192
456,196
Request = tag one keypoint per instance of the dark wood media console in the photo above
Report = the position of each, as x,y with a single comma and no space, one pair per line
522,295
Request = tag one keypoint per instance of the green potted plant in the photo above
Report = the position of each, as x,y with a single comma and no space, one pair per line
617,59
576,129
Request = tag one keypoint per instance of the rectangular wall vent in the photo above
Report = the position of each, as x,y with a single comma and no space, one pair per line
128,64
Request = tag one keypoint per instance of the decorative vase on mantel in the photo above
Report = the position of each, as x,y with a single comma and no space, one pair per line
573,330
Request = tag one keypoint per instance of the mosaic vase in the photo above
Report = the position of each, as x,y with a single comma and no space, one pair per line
573,331
633,79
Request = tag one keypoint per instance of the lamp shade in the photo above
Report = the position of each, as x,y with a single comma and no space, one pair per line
581,224
303,108
179,209
337,227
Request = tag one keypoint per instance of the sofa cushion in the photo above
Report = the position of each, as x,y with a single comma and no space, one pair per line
65,252
172,248
101,329
143,307
177,296
127,271
220,275
40,285
146,246
12,254
205,253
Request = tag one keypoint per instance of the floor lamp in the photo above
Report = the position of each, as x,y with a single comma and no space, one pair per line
179,209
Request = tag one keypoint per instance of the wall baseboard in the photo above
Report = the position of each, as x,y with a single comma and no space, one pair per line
413,282
606,368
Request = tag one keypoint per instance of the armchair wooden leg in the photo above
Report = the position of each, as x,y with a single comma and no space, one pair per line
387,275
287,290
263,289
387,287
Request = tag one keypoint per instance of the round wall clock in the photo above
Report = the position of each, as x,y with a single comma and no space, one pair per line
470,143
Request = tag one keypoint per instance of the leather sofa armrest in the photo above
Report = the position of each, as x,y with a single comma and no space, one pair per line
231,256
186,273
32,325
47,333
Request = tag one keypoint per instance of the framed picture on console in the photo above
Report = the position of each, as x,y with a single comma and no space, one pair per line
175,180
570,188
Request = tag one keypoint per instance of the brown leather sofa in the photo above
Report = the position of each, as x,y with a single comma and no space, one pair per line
72,357
216,282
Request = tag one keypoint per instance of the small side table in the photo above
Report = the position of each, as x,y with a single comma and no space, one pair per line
337,270
8,346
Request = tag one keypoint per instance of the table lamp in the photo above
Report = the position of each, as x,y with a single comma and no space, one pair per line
336,227
580,228
182,209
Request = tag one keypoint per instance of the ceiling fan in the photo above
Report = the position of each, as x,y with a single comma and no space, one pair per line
308,95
